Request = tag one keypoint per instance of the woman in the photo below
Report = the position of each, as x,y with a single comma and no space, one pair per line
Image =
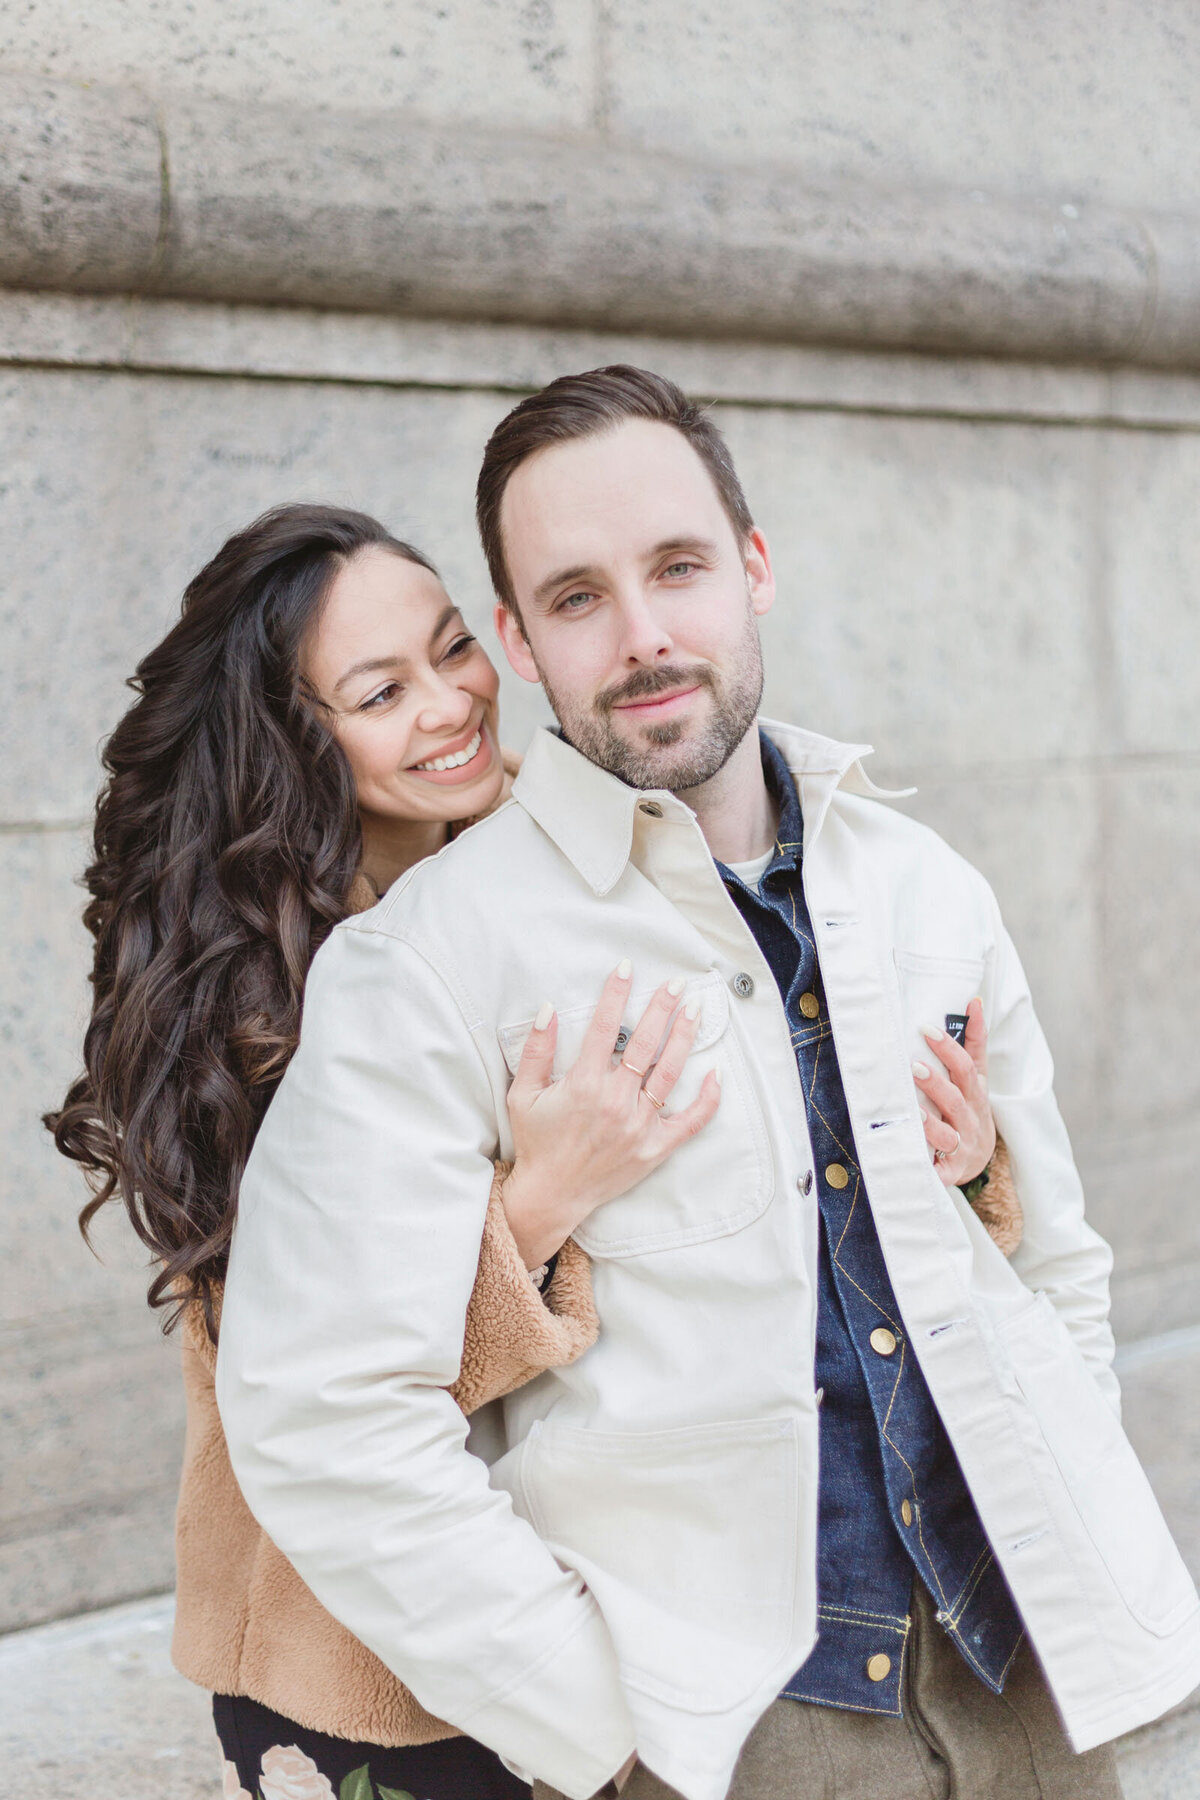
317,722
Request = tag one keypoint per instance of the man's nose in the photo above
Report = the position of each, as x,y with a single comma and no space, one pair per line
644,638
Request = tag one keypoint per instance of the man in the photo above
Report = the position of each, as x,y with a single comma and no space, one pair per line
660,1562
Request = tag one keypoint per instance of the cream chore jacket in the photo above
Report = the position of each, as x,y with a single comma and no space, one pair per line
636,1566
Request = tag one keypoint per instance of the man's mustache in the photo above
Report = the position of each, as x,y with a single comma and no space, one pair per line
644,684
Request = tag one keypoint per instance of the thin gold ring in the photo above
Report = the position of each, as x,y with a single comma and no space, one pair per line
640,1073
656,1104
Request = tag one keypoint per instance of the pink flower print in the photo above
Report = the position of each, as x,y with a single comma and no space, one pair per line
231,1787
287,1774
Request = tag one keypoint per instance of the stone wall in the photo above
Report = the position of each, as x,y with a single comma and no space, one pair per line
935,266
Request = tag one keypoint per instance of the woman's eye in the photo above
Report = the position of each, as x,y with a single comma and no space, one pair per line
461,645
379,700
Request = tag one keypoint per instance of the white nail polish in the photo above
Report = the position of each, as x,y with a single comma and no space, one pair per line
624,968
933,1033
676,986
717,1076
692,1010
924,1115
921,1071
545,1013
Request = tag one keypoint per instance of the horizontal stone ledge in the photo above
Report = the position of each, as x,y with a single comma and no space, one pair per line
103,191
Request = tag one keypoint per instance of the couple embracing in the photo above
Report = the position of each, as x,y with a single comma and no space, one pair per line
640,1325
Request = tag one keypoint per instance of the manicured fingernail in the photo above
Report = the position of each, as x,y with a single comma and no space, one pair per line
933,1033
624,969
545,1013
692,1010
924,1115
717,1076
921,1071
676,986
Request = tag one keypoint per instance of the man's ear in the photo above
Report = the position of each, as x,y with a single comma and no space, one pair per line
760,576
514,642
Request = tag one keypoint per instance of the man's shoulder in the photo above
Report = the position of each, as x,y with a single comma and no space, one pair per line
907,846
473,879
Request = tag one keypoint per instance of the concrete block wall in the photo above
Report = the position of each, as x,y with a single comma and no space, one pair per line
979,477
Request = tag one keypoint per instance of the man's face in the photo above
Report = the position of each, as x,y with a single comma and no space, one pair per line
640,608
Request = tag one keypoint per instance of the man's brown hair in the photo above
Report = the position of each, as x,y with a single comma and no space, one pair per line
580,406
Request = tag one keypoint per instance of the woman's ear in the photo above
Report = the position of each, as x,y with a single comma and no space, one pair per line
514,642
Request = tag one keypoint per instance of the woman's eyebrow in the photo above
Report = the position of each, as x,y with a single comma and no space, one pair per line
372,665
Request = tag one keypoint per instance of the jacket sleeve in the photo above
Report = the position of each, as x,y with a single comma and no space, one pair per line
1059,1254
357,1245
513,1332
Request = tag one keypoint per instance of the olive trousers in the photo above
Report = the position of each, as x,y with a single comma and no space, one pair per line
956,1741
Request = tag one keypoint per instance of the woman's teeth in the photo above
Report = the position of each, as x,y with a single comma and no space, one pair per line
454,762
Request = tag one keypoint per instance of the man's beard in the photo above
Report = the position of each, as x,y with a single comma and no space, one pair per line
663,758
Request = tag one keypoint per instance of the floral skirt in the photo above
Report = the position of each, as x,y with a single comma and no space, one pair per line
267,1757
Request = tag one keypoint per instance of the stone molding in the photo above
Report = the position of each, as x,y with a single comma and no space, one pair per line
105,190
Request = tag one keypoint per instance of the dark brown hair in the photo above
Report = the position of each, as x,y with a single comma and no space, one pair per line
227,837
579,406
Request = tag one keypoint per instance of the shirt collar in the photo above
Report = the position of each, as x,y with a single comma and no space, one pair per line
589,813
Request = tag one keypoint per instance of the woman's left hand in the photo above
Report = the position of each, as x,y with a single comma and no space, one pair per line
959,1127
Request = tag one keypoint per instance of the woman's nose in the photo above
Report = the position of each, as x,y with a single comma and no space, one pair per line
444,706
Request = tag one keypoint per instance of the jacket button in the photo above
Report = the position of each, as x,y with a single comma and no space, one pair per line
810,1006
622,1039
651,808
837,1176
883,1341
804,1182
742,985
906,1512
879,1667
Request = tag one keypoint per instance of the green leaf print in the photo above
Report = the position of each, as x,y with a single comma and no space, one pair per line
394,1794
357,1785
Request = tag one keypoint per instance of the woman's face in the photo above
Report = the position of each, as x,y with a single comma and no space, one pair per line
409,688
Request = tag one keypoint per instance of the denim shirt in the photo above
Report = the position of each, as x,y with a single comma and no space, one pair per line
892,1497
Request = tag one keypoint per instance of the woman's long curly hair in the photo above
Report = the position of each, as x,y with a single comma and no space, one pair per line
227,838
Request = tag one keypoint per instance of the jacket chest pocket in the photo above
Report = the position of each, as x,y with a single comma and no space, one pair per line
716,1183
932,987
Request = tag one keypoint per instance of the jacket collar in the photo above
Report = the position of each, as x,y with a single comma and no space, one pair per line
589,814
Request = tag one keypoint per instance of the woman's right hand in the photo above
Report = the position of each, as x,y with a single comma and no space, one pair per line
582,1140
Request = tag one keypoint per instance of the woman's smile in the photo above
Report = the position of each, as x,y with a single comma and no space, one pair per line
463,759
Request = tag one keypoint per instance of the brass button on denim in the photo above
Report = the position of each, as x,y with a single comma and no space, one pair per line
837,1175
810,1006
906,1512
879,1666
883,1341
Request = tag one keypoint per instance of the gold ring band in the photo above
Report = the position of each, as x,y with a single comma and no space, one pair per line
640,1073
656,1104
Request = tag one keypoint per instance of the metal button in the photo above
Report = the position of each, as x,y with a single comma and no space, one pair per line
879,1667
883,1341
906,1512
820,1395
804,1182
651,808
837,1176
742,985
810,1006
622,1039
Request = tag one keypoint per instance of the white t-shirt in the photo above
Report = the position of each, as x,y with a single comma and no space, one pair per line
753,871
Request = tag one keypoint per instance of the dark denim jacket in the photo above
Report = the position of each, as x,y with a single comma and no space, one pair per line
892,1496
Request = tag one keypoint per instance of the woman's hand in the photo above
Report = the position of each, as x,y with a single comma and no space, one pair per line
597,1132
959,1127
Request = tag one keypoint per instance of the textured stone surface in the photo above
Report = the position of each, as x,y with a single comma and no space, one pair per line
383,210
